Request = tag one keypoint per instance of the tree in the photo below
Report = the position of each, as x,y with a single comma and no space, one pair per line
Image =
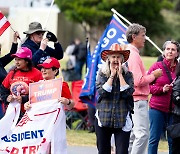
177,5
94,15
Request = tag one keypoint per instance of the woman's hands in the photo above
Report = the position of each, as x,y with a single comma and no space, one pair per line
67,102
117,69
157,73
15,37
27,105
113,70
63,100
166,87
12,98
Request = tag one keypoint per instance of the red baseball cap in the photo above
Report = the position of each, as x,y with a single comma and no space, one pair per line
23,52
49,63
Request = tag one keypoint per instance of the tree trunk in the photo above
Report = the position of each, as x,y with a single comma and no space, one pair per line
95,34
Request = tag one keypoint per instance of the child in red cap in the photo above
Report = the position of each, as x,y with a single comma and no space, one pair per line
50,69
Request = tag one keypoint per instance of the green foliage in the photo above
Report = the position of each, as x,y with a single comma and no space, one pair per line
173,20
92,12
97,14
177,5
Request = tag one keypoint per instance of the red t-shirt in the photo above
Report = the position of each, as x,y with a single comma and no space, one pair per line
65,91
31,76
14,81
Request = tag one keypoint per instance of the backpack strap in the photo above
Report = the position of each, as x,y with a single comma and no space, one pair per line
167,72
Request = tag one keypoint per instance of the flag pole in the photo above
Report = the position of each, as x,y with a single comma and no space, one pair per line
15,32
52,2
127,21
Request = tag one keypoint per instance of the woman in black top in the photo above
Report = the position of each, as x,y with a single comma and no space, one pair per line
3,62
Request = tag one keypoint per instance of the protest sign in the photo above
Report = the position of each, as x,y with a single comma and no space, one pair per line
45,90
41,128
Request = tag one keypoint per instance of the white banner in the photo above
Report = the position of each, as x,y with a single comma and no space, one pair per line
42,128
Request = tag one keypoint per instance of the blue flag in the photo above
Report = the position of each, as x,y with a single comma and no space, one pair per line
114,33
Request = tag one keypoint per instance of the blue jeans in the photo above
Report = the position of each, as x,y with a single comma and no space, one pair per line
158,120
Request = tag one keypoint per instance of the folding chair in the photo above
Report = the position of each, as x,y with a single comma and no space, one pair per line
79,112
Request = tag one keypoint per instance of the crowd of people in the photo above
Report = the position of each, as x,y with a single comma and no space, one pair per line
142,128
123,87
34,61
33,50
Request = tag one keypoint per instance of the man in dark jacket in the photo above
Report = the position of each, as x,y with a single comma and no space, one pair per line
40,50
3,62
80,53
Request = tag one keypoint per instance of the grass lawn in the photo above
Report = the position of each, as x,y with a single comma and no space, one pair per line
83,138
148,61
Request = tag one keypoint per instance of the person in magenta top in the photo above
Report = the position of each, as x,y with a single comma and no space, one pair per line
161,90
135,35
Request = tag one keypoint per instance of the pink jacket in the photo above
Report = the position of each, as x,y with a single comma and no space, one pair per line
160,100
141,79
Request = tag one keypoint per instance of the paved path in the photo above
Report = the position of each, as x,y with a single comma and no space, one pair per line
88,150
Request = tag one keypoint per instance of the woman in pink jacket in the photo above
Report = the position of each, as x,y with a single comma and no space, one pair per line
160,102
